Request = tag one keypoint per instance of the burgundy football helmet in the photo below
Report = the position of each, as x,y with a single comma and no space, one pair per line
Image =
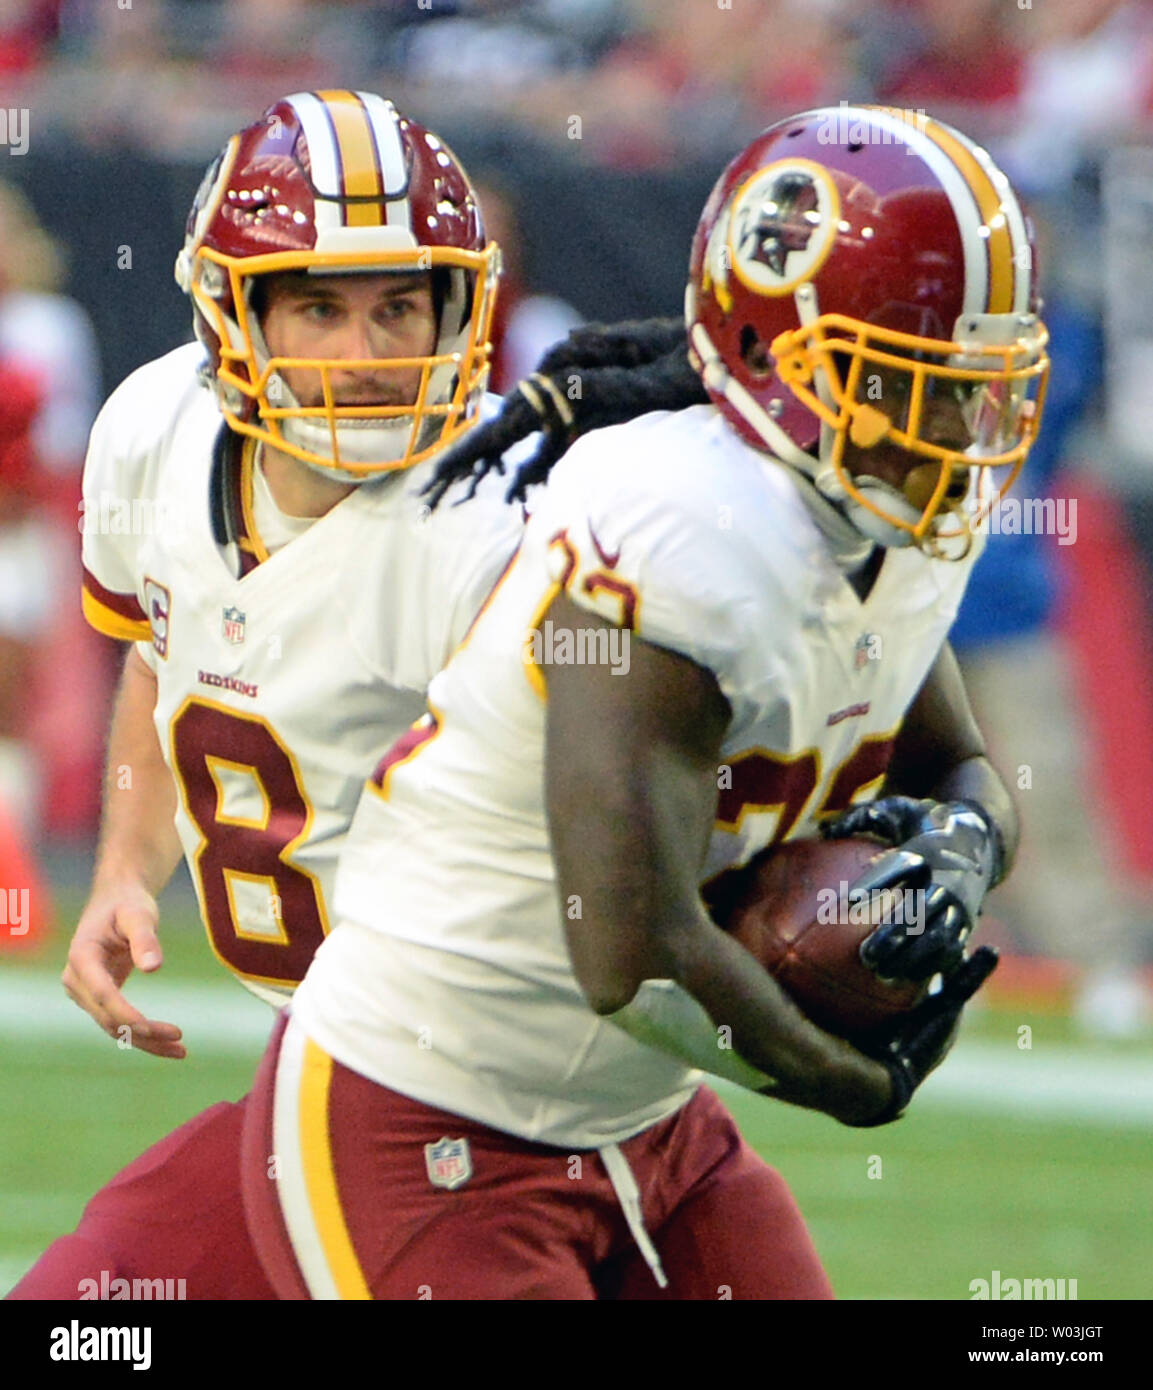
860,274
338,182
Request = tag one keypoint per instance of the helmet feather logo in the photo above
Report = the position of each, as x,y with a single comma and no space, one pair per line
782,226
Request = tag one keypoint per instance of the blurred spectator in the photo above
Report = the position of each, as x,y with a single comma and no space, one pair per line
695,75
1068,897
1087,80
27,594
525,324
483,46
26,597
117,90
955,52
27,27
48,339
48,333
281,46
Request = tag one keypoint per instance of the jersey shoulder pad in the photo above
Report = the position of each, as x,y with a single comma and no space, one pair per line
679,530
128,449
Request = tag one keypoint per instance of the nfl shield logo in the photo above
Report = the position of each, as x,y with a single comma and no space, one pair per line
449,1163
868,646
234,625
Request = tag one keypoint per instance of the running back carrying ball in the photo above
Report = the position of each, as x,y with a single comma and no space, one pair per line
793,907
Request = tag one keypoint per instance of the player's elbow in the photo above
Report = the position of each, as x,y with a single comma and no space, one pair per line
607,915
606,982
608,974
608,997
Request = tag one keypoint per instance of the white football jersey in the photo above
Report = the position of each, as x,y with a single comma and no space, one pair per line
278,688
448,977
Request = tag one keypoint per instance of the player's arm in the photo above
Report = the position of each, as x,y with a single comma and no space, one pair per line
944,802
940,753
139,848
631,788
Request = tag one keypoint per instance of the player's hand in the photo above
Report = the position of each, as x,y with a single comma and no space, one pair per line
918,1042
947,854
117,932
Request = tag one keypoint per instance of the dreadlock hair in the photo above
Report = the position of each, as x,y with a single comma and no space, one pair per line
620,370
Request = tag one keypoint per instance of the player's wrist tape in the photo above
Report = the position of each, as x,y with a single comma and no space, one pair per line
549,402
904,1084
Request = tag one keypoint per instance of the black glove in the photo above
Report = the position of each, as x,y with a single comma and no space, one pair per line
949,853
918,1041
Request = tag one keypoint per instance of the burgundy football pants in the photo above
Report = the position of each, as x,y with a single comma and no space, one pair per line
175,1212
345,1206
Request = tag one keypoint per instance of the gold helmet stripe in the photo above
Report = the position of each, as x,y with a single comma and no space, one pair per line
358,157
1018,231
995,230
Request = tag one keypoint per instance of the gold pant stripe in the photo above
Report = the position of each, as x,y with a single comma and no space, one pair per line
319,1177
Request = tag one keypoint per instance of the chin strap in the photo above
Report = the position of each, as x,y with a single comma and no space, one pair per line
368,441
877,528
846,540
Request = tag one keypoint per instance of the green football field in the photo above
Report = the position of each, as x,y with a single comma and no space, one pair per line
1034,1161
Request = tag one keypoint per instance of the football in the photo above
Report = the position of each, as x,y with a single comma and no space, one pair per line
792,908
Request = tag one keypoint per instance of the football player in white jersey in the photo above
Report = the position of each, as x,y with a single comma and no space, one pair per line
487,1085
253,525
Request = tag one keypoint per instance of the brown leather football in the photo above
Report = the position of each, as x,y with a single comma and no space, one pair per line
792,908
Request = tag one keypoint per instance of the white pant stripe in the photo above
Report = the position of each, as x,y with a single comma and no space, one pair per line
291,1186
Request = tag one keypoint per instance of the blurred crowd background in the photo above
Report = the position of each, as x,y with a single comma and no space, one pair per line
596,128
652,77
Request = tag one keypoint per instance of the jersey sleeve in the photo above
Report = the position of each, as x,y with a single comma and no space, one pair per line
112,480
656,558
425,577
477,544
147,653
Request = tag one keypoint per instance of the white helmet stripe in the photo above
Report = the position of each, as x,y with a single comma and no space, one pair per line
1015,219
988,187
323,156
390,152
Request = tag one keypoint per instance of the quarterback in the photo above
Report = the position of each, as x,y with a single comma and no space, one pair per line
288,595
488,1084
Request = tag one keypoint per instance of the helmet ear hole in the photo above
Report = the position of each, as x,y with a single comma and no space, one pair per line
755,352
